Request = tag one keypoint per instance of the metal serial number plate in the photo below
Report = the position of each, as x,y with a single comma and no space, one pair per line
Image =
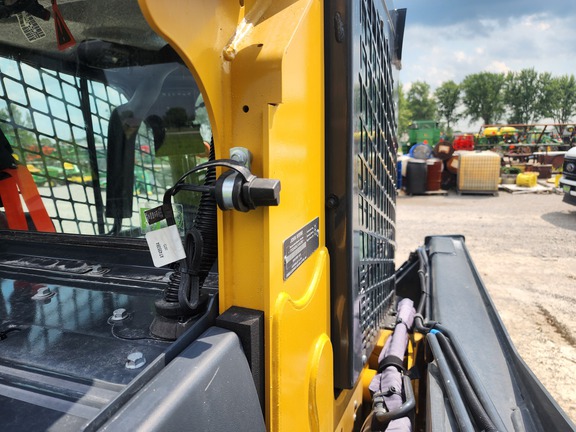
299,246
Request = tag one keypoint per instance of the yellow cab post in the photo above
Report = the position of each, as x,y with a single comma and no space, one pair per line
259,65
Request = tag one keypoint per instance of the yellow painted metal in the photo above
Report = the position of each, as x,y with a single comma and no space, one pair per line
366,378
259,65
382,338
348,407
414,343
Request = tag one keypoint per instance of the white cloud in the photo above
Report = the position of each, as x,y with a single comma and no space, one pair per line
538,21
497,67
435,55
544,26
461,57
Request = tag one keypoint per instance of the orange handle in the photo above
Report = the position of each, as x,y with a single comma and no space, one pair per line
12,205
20,178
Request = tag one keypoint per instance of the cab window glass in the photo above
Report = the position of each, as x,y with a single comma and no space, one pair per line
87,147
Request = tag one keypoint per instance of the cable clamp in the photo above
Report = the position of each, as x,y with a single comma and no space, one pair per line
391,360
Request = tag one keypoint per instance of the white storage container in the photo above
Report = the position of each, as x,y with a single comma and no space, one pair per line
478,172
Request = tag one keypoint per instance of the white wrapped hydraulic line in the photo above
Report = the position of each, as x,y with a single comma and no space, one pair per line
388,384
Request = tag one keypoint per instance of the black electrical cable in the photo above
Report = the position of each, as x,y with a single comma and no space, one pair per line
206,222
212,163
189,289
194,188
201,245
182,293
208,188
171,291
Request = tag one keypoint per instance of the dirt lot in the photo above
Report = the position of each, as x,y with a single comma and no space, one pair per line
524,246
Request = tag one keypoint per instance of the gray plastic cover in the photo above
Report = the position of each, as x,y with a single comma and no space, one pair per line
208,387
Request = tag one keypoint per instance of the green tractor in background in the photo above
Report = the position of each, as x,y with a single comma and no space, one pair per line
422,131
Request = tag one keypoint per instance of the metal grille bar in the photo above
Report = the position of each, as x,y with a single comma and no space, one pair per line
361,149
376,156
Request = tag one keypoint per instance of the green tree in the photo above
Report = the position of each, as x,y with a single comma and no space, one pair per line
483,96
404,113
421,102
13,120
11,117
447,101
524,94
562,99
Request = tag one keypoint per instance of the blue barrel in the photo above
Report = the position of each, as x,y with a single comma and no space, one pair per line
420,151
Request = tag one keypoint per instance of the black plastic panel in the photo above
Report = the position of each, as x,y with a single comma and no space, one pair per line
248,324
64,356
361,177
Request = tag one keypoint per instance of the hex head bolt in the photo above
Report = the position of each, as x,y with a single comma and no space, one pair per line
119,314
43,293
135,360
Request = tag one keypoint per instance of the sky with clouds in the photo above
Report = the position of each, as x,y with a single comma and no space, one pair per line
449,39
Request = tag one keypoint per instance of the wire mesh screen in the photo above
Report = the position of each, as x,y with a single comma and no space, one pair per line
376,151
50,119
361,149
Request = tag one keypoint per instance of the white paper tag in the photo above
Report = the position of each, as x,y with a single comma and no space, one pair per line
165,245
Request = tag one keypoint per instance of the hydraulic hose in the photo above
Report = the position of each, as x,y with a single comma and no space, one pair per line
384,416
454,396
485,412
473,378
478,412
419,319
381,420
424,280
390,411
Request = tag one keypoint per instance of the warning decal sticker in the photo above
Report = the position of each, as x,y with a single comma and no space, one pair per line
299,246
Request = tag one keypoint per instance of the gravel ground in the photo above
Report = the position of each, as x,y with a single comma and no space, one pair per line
524,246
